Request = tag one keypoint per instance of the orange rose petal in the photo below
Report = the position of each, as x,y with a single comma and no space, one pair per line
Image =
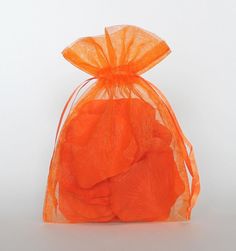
77,210
102,143
148,190
162,132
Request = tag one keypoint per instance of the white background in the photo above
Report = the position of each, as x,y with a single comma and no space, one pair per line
198,78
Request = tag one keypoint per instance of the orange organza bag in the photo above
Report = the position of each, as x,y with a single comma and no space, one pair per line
120,154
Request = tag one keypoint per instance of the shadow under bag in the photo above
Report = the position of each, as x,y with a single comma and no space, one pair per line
120,154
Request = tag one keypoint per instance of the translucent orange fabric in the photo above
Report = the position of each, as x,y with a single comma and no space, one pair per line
120,154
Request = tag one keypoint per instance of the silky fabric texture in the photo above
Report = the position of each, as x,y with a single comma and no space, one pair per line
120,154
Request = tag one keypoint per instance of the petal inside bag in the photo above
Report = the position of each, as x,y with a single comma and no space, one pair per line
150,187
99,143
77,210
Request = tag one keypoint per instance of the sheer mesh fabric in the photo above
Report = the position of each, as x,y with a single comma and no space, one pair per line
120,154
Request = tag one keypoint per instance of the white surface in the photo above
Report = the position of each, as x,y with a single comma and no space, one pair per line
198,79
